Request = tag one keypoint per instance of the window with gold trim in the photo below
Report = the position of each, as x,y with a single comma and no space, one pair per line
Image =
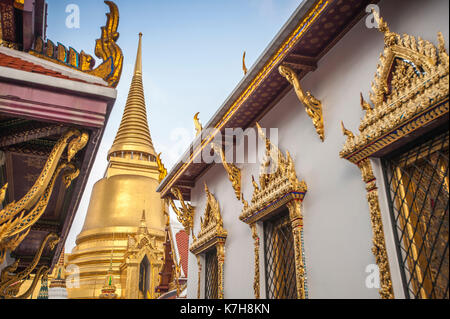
279,257
418,184
211,278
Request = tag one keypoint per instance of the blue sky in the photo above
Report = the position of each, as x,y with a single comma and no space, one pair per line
192,60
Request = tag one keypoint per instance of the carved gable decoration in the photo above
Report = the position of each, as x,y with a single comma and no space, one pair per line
278,184
211,228
410,89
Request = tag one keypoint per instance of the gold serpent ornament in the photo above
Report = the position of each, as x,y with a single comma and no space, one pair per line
312,105
11,282
234,173
185,214
106,48
17,218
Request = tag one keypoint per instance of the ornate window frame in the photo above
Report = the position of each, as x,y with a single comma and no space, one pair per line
141,245
277,189
211,234
407,96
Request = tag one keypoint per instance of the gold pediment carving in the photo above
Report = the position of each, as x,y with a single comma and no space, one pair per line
410,89
211,226
278,184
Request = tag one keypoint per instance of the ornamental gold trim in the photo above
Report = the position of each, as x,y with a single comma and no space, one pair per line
17,218
379,245
106,49
312,105
211,234
277,188
256,280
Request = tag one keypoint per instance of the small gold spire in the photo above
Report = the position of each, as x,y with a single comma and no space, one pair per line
133,135
138,64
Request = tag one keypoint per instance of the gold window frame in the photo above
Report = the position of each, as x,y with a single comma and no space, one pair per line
409,91
211,234
277,189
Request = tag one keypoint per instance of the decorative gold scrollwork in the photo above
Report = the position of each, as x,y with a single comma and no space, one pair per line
234,173
17,218
10,282
312,105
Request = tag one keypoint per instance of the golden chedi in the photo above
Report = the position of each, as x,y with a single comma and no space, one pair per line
115,211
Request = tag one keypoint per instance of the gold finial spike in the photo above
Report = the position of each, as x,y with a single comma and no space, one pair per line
133,135
138,64
244,67
365,106
346,132
197,124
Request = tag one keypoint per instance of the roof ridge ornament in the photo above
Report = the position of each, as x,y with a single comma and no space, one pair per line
106,49
244,67
198,126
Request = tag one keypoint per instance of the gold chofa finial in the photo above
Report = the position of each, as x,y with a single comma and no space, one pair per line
244,67
197,124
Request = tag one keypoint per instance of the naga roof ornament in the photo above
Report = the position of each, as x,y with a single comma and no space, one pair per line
106,48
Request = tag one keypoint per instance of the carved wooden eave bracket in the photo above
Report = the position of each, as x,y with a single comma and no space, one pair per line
312,105
17,218
106,49
410,91
211,234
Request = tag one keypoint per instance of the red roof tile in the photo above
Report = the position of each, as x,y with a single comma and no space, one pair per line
182,240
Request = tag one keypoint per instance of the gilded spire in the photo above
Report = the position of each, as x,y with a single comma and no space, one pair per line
133,135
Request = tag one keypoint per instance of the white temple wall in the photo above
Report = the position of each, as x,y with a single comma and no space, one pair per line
337,230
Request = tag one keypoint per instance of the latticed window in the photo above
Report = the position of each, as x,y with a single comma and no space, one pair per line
418,192
279,258
211,274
